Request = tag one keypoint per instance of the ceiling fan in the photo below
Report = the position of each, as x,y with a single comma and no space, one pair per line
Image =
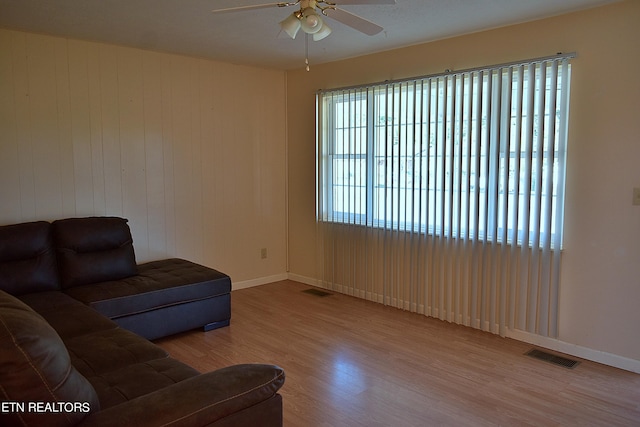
307,17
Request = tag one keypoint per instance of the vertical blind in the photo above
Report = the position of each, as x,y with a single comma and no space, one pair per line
444,195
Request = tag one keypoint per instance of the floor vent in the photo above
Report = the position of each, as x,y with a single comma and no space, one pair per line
317,292
552,358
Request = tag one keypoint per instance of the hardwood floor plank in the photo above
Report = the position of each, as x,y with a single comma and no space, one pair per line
350,362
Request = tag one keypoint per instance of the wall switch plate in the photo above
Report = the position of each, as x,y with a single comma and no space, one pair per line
263,253
636,196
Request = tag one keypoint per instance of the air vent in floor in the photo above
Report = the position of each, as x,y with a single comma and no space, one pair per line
552,358
316,292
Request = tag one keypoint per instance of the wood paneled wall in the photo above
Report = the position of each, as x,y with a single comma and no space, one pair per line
191,151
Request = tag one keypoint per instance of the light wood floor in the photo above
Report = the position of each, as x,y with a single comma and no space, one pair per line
350,362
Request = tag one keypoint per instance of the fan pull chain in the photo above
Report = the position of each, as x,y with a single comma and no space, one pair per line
306,50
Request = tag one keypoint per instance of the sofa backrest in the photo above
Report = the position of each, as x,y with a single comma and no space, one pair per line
27,259
36,374
94,249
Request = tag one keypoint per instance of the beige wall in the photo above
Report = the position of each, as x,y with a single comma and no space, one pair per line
600,287
191,151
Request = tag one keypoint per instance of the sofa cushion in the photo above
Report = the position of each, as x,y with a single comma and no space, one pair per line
158,284
94,249
27,260
35,367
138,379
110,350
69,317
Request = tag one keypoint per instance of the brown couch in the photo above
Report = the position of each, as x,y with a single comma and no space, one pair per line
93,260
68,358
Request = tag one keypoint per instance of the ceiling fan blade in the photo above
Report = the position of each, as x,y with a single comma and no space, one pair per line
356,2
254,7
354,21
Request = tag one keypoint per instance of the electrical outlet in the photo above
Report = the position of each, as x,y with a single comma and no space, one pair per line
636,196
263,253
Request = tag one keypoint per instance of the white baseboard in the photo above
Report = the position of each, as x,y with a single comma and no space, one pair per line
576,350
303,279
598,356
259,281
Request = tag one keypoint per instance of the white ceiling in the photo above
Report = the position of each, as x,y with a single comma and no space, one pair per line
254,38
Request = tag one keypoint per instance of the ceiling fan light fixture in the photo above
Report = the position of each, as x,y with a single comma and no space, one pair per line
291,25
324,32
311,22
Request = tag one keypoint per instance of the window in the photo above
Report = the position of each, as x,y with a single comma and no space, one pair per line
476,155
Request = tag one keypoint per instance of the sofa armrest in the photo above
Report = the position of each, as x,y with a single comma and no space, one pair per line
197,401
